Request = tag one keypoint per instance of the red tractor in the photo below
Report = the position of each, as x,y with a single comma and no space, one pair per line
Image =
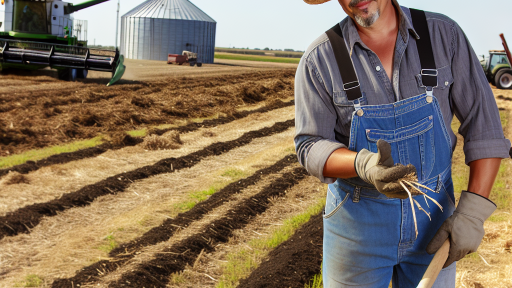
186,57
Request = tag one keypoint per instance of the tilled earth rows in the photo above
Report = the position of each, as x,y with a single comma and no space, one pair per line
44,114
111,217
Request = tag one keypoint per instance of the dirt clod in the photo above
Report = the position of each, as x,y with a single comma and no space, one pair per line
15,178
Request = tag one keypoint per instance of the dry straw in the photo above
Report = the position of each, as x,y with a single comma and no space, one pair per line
412,181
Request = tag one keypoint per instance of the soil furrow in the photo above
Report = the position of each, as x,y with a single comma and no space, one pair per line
22,220
131,141
293,262
156,272
167,229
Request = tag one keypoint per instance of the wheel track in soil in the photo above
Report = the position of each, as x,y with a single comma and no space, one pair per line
63,158
125,252
156,272
23,219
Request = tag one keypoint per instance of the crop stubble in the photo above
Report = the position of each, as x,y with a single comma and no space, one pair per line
156,272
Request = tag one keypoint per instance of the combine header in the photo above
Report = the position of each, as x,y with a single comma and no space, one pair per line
39,34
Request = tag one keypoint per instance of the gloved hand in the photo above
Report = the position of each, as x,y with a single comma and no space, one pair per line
378,169
465,227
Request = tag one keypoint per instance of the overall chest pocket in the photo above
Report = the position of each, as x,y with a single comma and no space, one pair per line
413,144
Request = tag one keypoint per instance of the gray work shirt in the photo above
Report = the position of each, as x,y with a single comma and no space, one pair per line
323,112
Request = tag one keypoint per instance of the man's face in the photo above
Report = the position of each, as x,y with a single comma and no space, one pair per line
364,12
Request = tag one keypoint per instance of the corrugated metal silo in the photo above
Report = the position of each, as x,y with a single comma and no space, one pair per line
156,28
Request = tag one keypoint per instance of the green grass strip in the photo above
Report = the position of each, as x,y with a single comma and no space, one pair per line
316,281
31,280
256,58
38,154
194,197
242,263
138,133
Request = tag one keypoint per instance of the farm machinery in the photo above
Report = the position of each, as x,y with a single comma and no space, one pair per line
36,34
185,57
497,66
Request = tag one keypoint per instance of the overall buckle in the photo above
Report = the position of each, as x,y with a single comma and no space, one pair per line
429,77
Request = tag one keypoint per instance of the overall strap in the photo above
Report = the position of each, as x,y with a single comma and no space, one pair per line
428,64
348,73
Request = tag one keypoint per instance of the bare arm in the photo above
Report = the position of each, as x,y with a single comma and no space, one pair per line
340,164
482,175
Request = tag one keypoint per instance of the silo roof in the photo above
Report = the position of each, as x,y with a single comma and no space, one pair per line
169,9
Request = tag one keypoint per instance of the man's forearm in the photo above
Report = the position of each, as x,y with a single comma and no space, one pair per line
340,164
482,175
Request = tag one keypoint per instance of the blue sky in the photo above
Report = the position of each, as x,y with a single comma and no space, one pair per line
281,24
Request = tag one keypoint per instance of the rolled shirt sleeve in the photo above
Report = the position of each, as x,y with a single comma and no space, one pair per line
474,104
315,120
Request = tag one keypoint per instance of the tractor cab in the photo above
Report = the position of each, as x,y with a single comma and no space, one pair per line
496,67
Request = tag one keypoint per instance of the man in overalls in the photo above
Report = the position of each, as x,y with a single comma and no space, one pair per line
378,89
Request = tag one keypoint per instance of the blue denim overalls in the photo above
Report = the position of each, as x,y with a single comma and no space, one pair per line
369,238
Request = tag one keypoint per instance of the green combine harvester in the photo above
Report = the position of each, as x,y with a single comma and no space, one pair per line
36,34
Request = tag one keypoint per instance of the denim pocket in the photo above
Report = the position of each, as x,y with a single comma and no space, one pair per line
413,144
334,201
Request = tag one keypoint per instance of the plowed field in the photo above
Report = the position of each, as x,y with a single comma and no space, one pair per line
209,195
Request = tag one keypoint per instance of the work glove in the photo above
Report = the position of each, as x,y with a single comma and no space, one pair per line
379,170
465,227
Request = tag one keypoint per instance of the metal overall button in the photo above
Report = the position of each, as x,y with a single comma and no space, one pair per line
360,112
429,99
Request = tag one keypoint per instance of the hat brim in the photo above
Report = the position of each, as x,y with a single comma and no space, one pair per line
315,2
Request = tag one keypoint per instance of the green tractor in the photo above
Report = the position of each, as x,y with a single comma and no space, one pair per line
36,34
497,69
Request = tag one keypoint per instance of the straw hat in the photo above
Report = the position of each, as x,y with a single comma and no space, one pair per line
314,2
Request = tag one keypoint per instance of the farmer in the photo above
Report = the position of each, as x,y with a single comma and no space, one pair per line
378,89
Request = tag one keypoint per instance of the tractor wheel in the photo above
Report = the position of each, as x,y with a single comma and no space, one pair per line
199,64
192,63
504,79
81,73
68,74
64,74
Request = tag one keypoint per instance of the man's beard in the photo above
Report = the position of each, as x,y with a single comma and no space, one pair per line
365,21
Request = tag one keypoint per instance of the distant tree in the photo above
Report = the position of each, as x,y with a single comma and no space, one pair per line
289,50
266,48
257,49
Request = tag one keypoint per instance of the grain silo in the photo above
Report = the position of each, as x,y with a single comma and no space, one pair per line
157,28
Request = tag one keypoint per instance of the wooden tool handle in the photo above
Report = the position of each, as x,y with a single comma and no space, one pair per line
435,266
